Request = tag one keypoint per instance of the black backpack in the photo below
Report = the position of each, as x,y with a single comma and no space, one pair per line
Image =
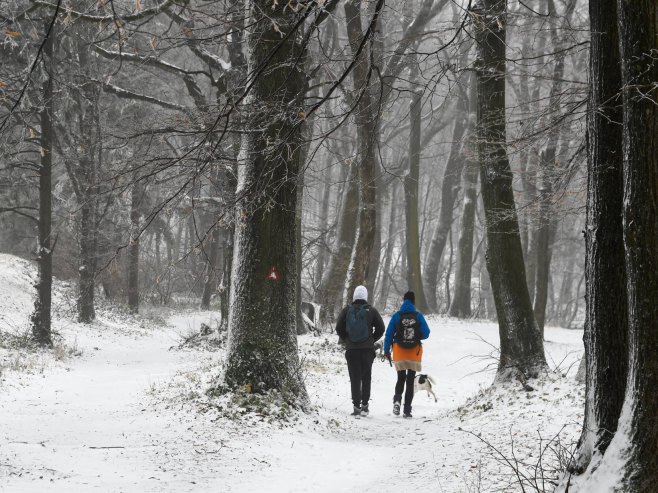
358,328
407,332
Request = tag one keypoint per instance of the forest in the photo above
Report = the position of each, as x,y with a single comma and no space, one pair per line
254,161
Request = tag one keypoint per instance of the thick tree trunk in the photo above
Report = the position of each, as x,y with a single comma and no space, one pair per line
461,302
41,317
521,347
414,280
262,344
449,193
606,319
634,449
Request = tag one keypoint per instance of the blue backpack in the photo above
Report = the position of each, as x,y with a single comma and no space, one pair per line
358,329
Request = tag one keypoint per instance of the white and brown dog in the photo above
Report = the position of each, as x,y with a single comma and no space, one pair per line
424,382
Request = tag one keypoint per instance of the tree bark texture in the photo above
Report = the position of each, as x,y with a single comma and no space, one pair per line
414,280
262,344
41,317
84,175
521,347
606,319
637,436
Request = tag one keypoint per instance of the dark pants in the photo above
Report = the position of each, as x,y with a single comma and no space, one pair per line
405,377
359,366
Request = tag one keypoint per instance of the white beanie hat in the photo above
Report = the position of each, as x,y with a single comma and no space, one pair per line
360,293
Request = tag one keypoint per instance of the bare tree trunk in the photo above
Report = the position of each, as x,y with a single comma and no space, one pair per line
449,193
86,176
367,120
299,321
330,293
262,344
41,317
461,302
636,440
225,284
388,255
211,276
414,280
88,253
133,246
323,220
547,221
521,348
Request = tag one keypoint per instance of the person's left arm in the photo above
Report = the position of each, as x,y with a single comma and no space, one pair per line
424,328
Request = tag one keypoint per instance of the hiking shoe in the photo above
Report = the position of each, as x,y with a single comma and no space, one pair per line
396,408
356,412
407,415
364,410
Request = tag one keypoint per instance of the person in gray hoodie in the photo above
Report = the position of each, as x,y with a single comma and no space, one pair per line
359,326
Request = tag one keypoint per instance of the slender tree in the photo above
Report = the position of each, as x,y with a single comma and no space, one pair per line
136,196
411,179
521,347
41,317
367,114
461,301
330,292
549,172
449,194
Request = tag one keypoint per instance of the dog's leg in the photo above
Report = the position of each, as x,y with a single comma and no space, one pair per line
430,391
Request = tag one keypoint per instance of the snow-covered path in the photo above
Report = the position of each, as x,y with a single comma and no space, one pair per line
87,426
107,421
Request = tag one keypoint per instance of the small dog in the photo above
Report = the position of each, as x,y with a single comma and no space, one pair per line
379,351
424,382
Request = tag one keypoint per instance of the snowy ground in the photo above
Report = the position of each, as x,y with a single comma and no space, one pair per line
119,410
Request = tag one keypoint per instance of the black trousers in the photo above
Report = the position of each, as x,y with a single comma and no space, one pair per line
405,377
359,366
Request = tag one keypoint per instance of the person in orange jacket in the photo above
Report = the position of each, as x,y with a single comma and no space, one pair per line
404,333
